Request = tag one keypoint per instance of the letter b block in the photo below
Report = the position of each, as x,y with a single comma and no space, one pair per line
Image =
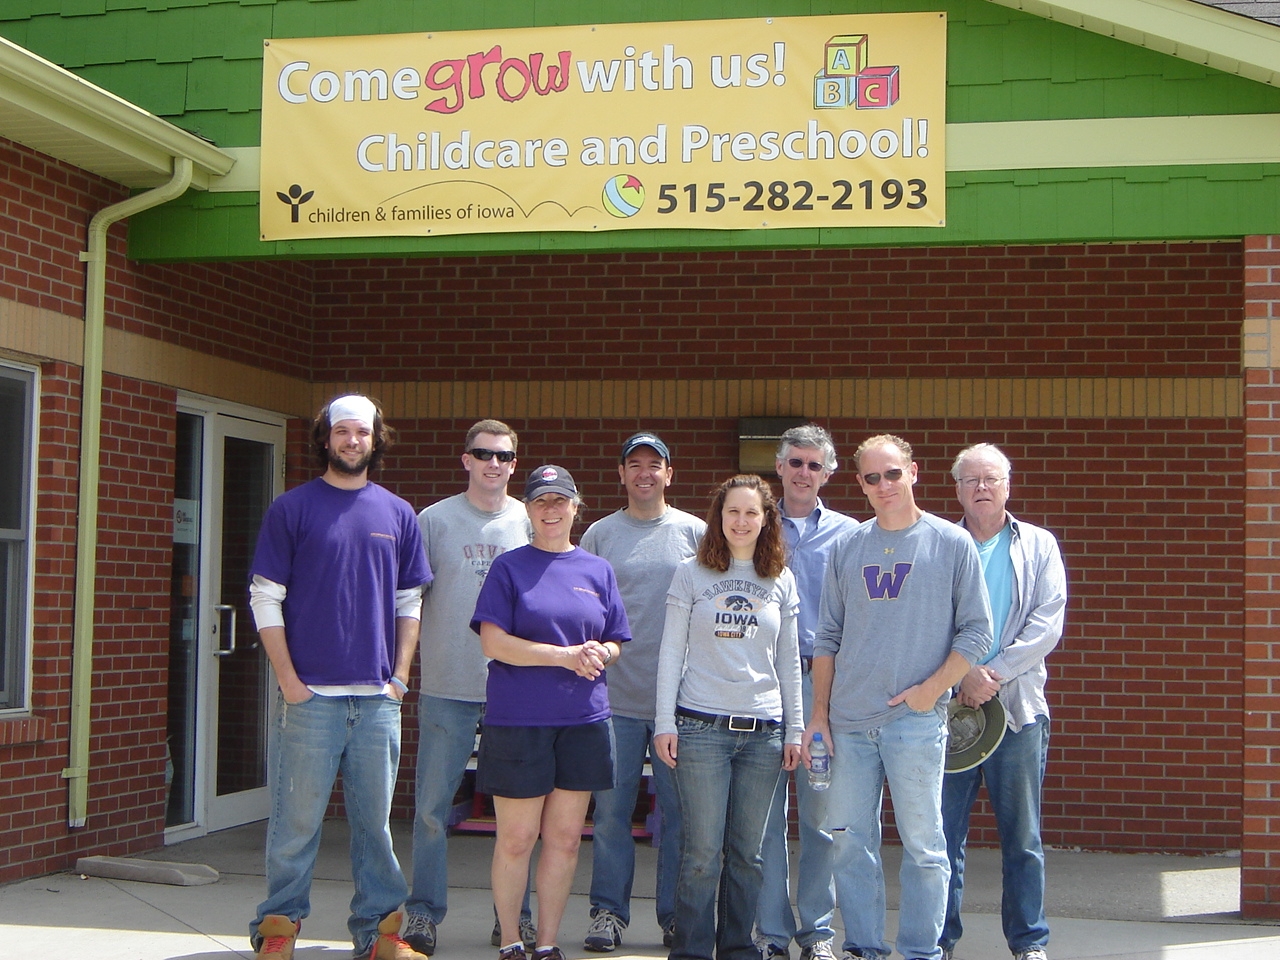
832,93
877,88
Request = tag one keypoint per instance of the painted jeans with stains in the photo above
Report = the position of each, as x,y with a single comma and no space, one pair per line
908,752
311,742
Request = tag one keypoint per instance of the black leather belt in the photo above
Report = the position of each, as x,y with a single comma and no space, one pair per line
734,722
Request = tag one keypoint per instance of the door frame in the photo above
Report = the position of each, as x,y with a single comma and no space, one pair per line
213,813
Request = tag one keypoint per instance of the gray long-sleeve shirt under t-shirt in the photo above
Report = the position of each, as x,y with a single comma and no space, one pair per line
730,647
895,604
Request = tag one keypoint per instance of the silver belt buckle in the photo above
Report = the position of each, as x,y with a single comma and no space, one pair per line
742,724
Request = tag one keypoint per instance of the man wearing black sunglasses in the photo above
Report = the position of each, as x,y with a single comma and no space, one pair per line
462,534
904,615
805,461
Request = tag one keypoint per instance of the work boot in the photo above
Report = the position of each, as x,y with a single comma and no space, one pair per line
277,936
390,945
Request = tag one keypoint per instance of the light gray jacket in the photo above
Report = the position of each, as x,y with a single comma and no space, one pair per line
1035,622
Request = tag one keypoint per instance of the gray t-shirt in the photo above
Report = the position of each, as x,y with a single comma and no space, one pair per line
461,542
895,603
644,554
730,646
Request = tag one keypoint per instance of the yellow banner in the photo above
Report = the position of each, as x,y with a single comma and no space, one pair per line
726,124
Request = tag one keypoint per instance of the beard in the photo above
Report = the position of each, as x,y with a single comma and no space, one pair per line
349,469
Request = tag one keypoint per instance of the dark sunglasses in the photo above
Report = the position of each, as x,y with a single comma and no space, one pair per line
504,456
814,467
873,479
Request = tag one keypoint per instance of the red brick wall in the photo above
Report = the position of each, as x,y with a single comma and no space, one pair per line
237,311
1260,862
126,791
1080,311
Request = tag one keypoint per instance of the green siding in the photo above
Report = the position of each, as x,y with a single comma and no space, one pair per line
198,64
1002,64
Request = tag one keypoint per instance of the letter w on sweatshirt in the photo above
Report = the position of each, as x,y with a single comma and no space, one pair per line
882,583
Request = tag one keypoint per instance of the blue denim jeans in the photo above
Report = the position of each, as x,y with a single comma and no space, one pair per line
1013,775
725,781
446,739
815,887
613,849
909,752
312,742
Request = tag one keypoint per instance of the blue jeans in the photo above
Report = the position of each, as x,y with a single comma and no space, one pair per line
446,739
909,751
1013,775
725,781
815,887
313,741
613,849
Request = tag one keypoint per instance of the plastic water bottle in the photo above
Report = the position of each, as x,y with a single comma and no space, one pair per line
819,764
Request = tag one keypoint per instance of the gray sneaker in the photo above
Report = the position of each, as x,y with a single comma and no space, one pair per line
528,933
1031,953
605,933
818,950
420,933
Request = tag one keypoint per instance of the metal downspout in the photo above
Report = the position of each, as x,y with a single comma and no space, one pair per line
77,772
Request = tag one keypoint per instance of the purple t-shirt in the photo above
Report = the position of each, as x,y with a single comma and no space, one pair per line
559,598
342,555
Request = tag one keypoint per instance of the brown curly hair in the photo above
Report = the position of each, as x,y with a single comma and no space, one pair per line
383,435
770,556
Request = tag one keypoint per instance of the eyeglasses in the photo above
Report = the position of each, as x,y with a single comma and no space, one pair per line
504,456
873,479
972,482
795,463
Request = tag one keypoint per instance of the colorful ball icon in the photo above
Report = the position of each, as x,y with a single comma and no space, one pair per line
623,195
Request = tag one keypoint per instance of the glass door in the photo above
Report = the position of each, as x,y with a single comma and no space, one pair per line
220,681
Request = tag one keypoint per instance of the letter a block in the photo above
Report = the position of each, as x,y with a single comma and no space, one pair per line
877,88
832,93
846,56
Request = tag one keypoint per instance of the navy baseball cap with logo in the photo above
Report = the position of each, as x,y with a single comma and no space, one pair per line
549,479
637,440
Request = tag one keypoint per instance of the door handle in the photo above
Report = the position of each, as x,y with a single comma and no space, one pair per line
225,629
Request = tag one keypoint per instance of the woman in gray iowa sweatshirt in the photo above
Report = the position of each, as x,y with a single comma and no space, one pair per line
729,715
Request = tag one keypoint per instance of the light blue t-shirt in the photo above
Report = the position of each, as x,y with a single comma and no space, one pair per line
997,571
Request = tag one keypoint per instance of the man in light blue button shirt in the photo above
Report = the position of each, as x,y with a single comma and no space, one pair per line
1027,587
805,461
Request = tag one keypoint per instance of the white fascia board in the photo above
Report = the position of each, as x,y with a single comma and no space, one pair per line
1179,28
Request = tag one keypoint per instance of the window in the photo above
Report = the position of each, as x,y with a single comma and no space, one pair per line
17,423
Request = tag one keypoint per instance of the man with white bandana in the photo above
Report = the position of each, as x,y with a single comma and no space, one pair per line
336,593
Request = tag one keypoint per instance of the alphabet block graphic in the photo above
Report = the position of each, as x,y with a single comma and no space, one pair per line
847,56
877,88
831,93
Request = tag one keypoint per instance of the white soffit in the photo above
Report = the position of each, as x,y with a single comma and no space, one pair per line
49,109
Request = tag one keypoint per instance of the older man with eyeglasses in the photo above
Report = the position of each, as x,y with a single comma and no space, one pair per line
805,461
1027,587
904,616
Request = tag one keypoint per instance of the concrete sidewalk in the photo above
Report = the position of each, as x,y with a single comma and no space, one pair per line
1130,907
